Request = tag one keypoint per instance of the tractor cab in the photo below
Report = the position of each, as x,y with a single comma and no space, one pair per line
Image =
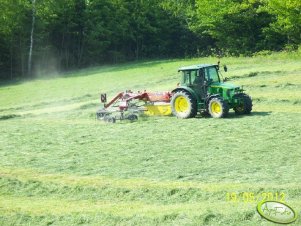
202,74
199,77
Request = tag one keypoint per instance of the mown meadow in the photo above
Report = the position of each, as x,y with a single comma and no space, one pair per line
60,166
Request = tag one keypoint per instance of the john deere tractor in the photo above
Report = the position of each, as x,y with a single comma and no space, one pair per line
203,90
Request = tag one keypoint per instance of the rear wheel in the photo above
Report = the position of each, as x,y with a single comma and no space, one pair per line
245,104
183,105
218,108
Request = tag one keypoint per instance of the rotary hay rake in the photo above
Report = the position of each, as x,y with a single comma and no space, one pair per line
129,105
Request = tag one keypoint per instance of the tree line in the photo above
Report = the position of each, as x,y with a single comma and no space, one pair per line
40,36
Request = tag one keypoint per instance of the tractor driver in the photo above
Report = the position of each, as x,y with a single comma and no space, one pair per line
199,82
198,79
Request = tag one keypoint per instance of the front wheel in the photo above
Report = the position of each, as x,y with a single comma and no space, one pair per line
245,104
218,108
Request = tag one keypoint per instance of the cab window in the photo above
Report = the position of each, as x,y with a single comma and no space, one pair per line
212,74
193,75
186,77
189,77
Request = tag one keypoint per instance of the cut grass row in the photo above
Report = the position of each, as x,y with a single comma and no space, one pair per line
261,145
26,175
36,194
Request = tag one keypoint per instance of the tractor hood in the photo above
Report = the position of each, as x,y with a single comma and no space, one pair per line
223,85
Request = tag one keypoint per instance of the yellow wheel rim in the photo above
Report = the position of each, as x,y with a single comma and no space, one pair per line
216,108
181,104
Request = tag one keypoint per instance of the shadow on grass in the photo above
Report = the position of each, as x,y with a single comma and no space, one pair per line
232,115
260,113
52,103
7,117
89,71
117,67
14,82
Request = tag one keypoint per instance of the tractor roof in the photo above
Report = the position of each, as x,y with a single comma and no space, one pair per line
196,67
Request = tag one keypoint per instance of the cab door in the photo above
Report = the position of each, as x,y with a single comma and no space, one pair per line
198,82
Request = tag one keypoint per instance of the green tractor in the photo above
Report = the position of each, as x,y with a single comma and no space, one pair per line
203,90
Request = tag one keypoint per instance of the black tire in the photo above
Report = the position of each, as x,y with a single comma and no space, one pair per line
132,117
245,106
112,120
109,119
100,115
218,108
183,105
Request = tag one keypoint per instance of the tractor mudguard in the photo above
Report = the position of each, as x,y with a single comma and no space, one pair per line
210,97
187,89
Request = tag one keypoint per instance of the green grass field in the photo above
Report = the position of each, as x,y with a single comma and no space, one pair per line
59,166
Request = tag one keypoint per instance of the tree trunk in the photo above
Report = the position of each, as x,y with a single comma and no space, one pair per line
21,57
11,60
137,49
31,36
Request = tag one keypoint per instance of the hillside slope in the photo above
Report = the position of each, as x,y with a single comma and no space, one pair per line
59,166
